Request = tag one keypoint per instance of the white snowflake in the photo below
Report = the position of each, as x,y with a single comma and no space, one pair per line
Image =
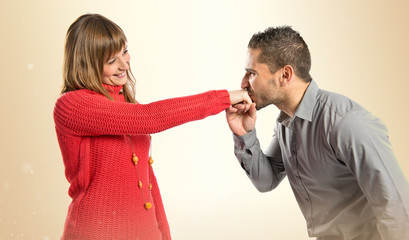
27,168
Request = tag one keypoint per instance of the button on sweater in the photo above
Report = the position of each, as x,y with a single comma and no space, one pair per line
97,138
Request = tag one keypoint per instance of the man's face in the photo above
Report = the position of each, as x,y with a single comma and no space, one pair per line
261,84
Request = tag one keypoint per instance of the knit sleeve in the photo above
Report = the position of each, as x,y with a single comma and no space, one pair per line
85,113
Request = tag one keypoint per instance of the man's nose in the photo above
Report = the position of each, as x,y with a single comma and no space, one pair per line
244,82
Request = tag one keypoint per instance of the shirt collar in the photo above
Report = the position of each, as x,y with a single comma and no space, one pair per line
307,104
306,107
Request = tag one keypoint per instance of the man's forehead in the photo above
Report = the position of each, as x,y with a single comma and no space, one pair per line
254,52
253,58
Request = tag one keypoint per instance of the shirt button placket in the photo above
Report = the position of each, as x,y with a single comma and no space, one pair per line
297,172
294,157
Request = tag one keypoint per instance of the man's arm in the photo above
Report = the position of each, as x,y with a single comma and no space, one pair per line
264,170
362,143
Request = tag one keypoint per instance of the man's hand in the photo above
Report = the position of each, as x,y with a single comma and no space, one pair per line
241,118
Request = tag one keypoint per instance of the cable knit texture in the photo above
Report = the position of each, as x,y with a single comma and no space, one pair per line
94,134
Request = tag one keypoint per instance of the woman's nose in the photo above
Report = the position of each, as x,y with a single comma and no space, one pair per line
124,64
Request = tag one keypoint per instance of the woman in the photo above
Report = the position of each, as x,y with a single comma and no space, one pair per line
104,136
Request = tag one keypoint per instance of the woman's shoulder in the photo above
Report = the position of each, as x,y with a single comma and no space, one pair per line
71,99
77,95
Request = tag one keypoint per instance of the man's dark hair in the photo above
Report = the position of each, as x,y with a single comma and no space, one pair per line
282,46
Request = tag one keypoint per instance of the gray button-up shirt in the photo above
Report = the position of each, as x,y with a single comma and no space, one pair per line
341,167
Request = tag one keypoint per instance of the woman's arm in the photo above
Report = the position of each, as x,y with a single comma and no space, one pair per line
86,113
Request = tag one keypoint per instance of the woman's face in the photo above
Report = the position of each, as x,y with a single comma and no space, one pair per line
116,67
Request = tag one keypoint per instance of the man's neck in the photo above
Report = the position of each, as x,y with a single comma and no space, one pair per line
293,99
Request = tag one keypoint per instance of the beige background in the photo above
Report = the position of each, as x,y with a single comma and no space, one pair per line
359,49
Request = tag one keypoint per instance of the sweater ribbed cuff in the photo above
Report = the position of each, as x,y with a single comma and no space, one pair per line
224,97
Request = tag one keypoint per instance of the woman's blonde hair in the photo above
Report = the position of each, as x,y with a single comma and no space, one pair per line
90,41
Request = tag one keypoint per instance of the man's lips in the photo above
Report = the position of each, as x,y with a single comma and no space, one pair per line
250,94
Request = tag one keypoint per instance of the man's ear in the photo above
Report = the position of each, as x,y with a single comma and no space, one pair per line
287,74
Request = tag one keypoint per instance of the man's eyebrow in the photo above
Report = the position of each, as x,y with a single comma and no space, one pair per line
249,70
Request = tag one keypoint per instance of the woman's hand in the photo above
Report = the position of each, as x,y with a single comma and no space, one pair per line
239,96
241,117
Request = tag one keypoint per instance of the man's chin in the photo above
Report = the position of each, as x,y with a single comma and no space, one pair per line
258,107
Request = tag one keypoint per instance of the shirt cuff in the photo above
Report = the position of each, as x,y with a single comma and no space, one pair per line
248,140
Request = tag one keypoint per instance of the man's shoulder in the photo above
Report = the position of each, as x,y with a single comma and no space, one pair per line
336,102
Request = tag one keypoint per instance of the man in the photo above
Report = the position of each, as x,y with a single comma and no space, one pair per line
336,155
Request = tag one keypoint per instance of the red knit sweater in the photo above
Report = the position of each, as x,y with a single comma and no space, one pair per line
93,134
